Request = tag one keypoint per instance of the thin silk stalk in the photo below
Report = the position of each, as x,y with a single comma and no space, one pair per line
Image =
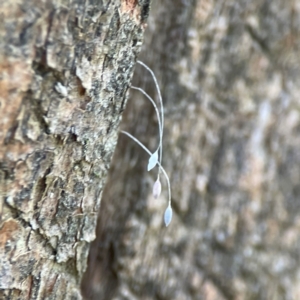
157,113
149,152
160,100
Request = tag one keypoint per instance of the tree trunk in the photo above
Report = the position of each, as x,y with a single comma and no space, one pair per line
65,70
230,78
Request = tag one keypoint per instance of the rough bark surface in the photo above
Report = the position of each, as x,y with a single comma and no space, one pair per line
65,70
230,77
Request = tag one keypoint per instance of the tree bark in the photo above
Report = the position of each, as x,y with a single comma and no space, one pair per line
230,76
65,70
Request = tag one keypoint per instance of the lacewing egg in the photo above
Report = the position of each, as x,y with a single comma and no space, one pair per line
168,216
156,188
153,160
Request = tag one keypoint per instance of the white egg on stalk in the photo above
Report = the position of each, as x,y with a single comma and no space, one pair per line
168,215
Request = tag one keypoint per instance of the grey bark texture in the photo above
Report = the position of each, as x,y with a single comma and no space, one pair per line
65,69
230,78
